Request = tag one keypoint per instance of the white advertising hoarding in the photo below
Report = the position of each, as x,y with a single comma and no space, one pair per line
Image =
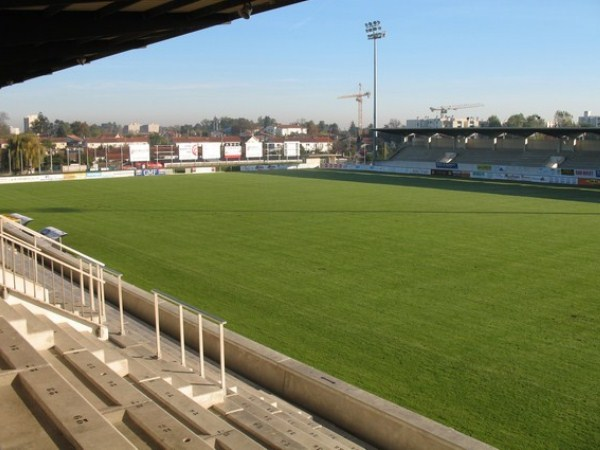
254,150
211,150
232,151
139,152
188,151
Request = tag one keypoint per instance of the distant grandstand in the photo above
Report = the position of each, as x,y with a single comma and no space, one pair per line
548,155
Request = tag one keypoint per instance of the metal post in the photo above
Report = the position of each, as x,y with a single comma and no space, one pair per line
374,100
101,292
201,345
157,326
222,356
80,284
2,250
120,289
374,32
181,335
91,289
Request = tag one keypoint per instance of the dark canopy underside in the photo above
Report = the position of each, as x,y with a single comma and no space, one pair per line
38,37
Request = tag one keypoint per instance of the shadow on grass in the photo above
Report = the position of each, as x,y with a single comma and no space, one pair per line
547,191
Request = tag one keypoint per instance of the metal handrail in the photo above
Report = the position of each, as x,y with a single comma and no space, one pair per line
92,274
89,271
181,305
119,277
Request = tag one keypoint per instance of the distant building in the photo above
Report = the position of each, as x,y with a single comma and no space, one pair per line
28,121
446,122
150,128
587,120
286,130
14,130
426,122
132,128
467,122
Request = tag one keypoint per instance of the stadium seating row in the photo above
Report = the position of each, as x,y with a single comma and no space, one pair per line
75,390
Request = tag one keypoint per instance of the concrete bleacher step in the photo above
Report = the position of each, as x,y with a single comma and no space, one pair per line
20,428
294,416
286,411
63,342
102,350
162,429
305,431
15,351
76,419
266,434
145,365
291,414
39,335
116,389
196,417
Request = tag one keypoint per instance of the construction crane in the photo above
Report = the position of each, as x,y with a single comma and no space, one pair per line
359,98
444,109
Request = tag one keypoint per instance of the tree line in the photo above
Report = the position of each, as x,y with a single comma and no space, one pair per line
44,127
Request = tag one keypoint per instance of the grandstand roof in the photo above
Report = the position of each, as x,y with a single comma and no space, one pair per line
39,37
559,132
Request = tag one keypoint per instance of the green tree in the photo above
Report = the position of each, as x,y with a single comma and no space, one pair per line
4,128
26,152
516,120
563,119
157,139
494,121
95,130
393,123
534,120
81,129
41,125
61,128
311,128
266,121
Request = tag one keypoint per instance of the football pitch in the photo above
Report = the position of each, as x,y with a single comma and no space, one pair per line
473,303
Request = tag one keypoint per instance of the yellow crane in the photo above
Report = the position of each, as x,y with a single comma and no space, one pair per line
444,109
359,98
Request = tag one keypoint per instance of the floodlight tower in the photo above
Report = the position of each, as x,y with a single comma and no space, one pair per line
374,32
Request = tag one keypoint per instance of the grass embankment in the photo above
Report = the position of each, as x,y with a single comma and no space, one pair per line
473,303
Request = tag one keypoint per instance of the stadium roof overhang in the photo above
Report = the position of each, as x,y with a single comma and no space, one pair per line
494,132
39,37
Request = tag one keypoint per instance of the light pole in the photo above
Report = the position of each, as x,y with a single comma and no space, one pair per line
374,32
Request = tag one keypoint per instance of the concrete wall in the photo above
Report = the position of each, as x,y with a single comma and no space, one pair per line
366,416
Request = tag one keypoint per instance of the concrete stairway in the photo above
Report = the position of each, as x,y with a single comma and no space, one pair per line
65,388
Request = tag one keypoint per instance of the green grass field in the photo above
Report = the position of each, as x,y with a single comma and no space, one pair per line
473,303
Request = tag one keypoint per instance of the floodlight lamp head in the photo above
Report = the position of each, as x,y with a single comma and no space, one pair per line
246,11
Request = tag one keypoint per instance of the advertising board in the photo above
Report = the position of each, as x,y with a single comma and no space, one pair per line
254,150
139,152
232,151
188,151
211,150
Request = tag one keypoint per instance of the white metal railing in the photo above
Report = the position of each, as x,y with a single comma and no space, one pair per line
201,315
119,276
25,267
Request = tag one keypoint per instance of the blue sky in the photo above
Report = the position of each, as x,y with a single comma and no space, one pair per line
527,56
